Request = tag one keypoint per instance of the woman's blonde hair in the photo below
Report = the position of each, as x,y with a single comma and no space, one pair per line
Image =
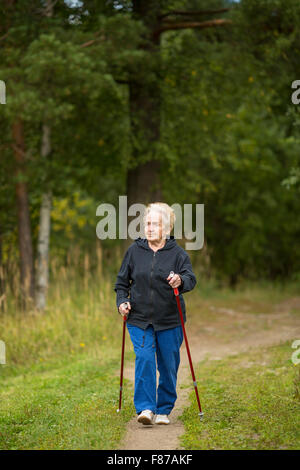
167,213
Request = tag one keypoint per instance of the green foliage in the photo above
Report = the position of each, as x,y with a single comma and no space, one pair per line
229,134
233,122
65,405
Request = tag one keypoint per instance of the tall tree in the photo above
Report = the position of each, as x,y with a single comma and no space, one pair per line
143,178
24,225
42,272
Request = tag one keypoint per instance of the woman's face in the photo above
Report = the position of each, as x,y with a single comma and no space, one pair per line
153,226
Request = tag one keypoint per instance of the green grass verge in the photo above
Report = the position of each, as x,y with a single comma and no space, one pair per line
249,400
59,389
68,404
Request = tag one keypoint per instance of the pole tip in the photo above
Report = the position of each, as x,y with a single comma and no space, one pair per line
201,415
118,410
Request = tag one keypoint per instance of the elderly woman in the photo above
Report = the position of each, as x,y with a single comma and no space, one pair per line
145,295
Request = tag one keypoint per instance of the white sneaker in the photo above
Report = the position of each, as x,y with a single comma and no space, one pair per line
146,417
162,419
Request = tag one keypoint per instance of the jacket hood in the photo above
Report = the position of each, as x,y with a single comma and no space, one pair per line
143,243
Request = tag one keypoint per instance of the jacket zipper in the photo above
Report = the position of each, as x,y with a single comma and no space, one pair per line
151,290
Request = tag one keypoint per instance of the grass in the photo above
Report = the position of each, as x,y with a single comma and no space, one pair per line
252,297
65,405
60,384
75,320
250,402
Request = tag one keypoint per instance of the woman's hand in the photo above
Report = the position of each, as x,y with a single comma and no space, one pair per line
175,280
124,308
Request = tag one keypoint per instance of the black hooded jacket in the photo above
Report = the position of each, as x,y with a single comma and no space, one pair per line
142,281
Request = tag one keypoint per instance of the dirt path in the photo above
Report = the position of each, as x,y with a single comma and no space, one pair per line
225,332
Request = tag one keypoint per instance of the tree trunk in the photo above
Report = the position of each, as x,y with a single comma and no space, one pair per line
143,179
42,273
2,286
24,228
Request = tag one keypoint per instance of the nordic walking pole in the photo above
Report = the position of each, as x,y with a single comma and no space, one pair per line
122,363
176,292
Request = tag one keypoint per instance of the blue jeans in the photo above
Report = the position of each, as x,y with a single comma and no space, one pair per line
151,348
